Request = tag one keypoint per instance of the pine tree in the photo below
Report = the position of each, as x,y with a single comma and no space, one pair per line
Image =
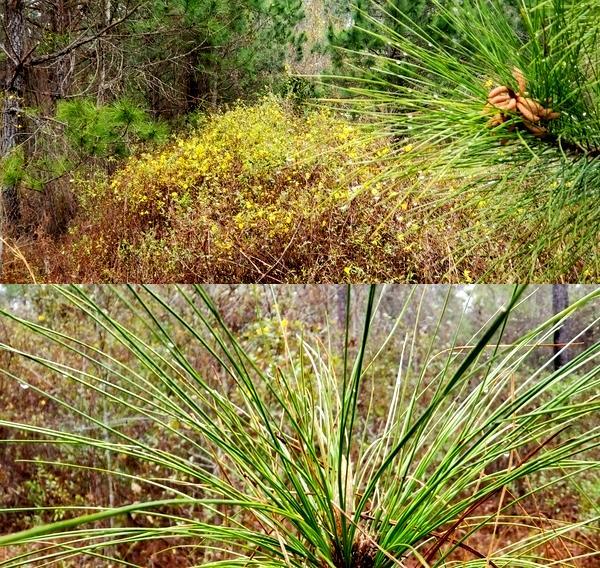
215,51
53,37
507,116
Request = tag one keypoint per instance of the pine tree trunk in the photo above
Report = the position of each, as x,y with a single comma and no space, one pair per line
341,299
11,103
63,66
560,302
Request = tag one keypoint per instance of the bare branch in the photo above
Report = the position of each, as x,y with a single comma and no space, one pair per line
83,41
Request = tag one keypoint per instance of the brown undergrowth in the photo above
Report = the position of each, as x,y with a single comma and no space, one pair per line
257,194
268,193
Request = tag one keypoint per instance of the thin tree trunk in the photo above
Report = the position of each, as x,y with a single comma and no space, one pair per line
560,302
63,66
11,103
9,140
192,94
102,94
341,299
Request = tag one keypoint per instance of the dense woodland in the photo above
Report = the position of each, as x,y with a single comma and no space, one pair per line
366,107
95,77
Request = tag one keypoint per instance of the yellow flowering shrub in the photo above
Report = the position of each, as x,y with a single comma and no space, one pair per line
257,193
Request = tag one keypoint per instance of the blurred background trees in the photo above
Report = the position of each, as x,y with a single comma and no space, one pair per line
359,36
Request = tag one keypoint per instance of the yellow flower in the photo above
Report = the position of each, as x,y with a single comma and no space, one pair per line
408,148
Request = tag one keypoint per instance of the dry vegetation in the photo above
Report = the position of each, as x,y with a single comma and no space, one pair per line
263,193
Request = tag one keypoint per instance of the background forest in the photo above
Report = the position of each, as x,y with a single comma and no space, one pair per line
215,140
73,382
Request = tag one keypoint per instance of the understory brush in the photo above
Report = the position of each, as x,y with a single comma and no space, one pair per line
258,193
263,193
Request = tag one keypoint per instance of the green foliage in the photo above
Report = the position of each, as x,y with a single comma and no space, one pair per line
222,49
293,466
110,130
286,14
543,176
299,90
13,168
359,36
